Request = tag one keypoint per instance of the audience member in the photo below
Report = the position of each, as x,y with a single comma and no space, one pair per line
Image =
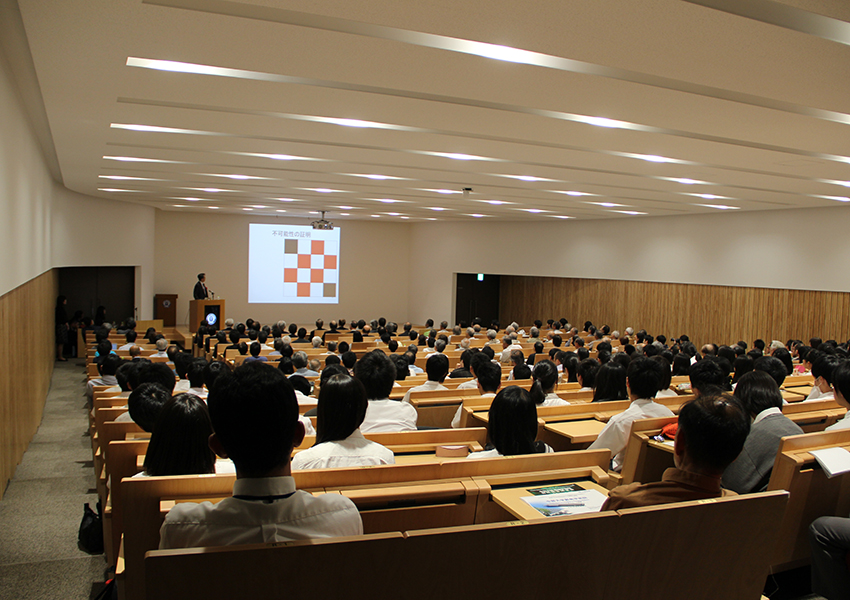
512,426
377,374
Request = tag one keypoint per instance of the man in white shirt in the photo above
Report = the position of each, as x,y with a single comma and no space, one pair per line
161,347
644,379
195,374
841,385
130,337
377,373
255,418
822,371
437,368
107,367
488,382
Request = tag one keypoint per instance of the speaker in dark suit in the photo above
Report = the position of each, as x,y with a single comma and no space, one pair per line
201,292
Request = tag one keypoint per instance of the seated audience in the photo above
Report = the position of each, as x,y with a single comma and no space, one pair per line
255,349
708,377
512,426
377,374
437,367
841,387
822,369
711,433
829,538
107,369
144,405
255,419
300,363
339,442
161,347
643,380
488,382
180,441
197,377
762,400
545,377
586,374
130,337
610,383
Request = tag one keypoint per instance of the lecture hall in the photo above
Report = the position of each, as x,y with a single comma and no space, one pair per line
650,169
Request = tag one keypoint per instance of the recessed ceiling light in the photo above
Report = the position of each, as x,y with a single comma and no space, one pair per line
525,177
117,190
127,178
654,158
836,182
477,215
376,216
233,176
430,219
313,212
393,214
606,204
376,177
561,217
150,128
249,209
280,210
495,202
707,196
386,200
345,207
179,206
213,207
533,210
353,123
278,156
459,156
258,206
323,190
629,212
720,206
405,217
836,198
344,214
286,199
572,193
602,122
144,160
440,190
437,208
685,180
209,190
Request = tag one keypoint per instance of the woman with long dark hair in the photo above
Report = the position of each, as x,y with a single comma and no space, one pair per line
512,425
339,443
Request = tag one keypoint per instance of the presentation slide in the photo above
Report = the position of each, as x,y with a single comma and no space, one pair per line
292,264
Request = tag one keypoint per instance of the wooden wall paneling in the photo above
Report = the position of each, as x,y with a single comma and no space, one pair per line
26,367
720,314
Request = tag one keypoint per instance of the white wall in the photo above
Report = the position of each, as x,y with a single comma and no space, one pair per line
373,267
796,249
44,225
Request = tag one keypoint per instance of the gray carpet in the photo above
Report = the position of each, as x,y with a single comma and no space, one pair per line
42,507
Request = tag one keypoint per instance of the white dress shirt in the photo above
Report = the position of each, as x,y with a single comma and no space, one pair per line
456,419
261,510
109,380
495,453
830,395
182,385
472,384
553,399
666,393
615,436
425,387
389,415
353,451
843,423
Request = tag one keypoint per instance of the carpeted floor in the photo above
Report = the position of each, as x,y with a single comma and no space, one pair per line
41,510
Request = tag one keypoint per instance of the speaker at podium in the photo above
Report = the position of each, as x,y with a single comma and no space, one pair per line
210,311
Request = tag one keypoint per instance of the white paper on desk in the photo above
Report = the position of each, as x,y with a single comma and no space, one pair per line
834,461
568,503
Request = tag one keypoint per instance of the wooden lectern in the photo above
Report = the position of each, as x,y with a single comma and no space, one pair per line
198,309
165,308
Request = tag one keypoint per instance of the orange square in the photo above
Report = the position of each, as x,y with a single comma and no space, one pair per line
317,276
330,261
303,261
318,247
290,275
304,290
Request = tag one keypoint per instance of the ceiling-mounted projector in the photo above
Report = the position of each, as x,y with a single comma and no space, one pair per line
322,224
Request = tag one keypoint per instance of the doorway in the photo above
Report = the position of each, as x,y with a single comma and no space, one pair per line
477,296
89,287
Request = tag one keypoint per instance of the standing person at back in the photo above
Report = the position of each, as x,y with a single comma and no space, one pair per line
255,418
643,380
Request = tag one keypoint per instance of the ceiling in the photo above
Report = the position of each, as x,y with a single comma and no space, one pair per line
378,109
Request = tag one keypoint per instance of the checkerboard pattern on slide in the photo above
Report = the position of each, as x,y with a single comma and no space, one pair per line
308,271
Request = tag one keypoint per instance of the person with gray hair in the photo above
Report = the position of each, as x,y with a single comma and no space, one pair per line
629,331
299,361
470,332
464,344
317,342
228,323
535,335
161,347
491,337
775,345
615,335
